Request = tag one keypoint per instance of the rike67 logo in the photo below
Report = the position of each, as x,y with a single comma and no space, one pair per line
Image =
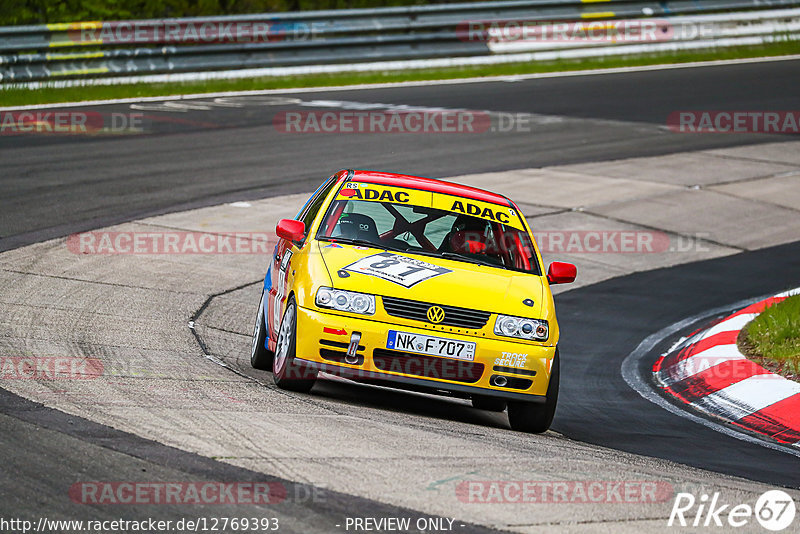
774,510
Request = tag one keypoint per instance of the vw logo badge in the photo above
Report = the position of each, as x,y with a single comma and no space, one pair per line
435,314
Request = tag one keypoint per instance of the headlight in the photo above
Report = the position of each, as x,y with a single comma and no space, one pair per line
533,329
347,301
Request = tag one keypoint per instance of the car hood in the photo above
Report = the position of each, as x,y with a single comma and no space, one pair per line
438,280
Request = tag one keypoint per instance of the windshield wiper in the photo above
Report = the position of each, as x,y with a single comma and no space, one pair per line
469,259
355,241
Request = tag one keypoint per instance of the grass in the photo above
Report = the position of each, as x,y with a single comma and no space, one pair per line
21,96
773,338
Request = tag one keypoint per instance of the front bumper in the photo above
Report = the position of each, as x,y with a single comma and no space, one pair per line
322,340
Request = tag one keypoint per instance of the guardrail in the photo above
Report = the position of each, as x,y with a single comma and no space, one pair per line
353,39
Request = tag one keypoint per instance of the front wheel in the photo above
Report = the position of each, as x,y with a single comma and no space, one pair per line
260,356
536,417
285,372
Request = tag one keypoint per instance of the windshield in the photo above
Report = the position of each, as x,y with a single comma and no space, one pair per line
400,225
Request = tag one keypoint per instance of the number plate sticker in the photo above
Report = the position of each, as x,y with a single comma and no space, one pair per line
396,268
430,345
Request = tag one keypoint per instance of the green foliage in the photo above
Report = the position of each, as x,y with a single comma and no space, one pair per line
775,334
44,11
16,12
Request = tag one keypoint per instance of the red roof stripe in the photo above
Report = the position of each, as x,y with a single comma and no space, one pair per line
430,184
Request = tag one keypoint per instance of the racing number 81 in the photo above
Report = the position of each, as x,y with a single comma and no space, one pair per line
388,262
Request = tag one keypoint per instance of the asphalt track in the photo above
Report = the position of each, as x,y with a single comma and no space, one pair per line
52,186
45,451
602,324
605,322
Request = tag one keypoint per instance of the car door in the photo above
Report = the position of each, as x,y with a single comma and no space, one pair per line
285,250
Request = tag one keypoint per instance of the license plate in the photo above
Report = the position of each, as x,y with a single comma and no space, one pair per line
430,345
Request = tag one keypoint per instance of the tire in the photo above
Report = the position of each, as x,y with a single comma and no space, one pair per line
536,417
285,372
490,404
260,356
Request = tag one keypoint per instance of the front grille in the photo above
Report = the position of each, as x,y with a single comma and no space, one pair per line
427,366
418,311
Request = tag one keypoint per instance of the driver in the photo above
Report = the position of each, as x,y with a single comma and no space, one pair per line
468,234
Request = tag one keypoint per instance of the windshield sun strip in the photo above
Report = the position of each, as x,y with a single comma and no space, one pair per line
510,204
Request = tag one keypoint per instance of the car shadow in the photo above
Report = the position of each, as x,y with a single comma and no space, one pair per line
409,402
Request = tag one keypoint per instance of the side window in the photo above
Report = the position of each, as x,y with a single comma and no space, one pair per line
310,210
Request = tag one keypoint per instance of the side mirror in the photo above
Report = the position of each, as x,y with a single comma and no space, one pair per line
291,229
560,272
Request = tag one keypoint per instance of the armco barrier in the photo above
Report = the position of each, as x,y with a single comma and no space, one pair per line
85,51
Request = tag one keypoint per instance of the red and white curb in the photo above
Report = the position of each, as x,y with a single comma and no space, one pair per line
707,372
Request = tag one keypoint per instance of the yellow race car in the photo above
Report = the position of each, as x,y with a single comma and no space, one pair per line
413,283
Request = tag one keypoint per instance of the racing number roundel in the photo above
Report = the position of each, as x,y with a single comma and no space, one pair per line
435,314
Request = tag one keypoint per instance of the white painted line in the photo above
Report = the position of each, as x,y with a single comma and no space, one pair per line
423,83
723,326
748,396
789,293
729,325
700,362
